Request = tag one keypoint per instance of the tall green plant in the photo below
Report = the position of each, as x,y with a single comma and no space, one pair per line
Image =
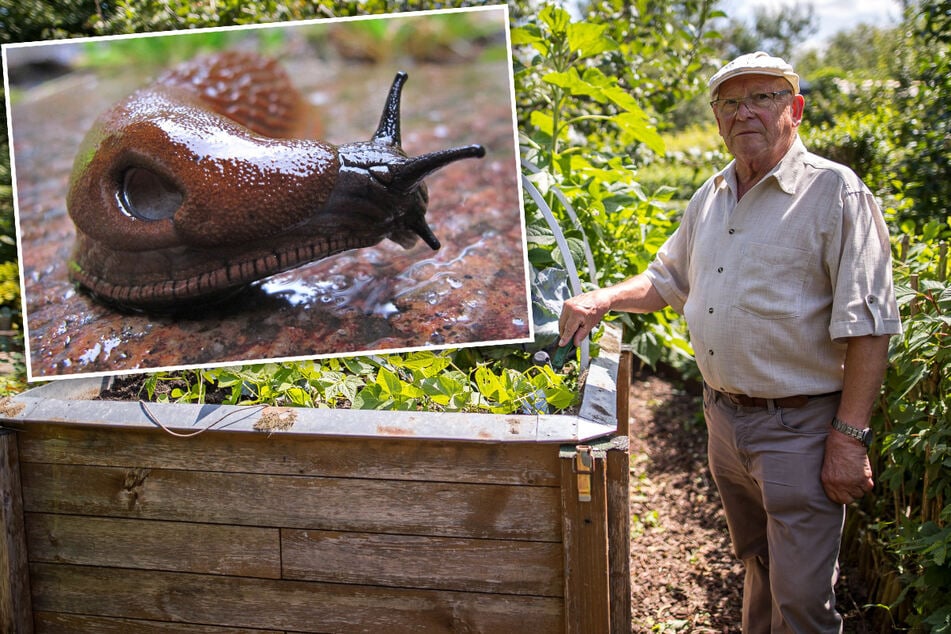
913,503
665,51
562,92
925,126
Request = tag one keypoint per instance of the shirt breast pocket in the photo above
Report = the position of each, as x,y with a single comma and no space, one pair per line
772,280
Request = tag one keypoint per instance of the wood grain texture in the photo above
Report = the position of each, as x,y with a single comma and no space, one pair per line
470,565
618,463
625,371
415,508
587,581
134,530
15,609
246,551
531,464
284,605
54,623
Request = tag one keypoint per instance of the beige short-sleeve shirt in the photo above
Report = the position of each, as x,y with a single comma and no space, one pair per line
773,285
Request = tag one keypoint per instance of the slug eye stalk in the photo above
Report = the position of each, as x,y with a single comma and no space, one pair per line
418,168
382,167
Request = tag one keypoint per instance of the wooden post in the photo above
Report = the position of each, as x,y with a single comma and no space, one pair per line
16,613
619,504
619,533
623,382
585,536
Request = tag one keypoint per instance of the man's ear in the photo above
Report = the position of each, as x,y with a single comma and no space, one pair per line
798,107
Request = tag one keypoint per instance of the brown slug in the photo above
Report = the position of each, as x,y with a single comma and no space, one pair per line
188,190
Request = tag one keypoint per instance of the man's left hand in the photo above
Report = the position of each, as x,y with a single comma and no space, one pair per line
846,471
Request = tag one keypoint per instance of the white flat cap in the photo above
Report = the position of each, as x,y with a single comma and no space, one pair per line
758,63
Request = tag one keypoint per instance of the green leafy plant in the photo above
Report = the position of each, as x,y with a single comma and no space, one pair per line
10,285
413,381
582,129
912,536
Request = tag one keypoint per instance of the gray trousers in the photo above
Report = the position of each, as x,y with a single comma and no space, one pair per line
767,463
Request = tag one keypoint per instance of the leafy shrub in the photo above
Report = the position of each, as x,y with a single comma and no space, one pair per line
865,141
912,504
924,126
10,285
561,89
425,380
691,157
29,20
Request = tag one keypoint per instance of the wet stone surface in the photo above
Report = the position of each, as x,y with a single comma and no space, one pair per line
384,297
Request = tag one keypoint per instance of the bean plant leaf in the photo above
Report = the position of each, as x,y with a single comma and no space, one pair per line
450,390
372,397
421,364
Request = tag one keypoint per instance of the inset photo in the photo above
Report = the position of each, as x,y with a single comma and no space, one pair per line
266,193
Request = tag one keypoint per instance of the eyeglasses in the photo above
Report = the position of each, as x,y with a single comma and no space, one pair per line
760,101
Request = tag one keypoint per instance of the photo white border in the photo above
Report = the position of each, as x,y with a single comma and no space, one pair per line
283,359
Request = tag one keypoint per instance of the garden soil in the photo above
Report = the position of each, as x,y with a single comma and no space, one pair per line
684,576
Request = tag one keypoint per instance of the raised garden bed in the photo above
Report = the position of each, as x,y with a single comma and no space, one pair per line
119,517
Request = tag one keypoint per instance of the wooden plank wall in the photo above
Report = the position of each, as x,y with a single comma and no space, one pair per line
15,611
135,530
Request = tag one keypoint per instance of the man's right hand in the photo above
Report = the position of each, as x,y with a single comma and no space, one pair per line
581,314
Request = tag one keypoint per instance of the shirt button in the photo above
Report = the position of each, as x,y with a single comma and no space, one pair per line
710,310
710,352
719,269
731,231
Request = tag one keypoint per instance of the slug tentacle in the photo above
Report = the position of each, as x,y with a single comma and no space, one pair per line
185,191
388,131
415,170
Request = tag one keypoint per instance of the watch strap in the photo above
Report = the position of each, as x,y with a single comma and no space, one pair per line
862,435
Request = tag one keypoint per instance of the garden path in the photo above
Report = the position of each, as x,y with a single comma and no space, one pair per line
684,577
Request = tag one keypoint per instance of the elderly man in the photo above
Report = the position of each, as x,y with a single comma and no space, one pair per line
781,267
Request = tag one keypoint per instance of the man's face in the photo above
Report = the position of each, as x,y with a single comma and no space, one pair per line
759,134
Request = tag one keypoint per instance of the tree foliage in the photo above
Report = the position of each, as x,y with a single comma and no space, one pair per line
664,48
879,102
31,20
925,126
776,29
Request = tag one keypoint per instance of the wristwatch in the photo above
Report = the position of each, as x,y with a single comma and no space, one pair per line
862,435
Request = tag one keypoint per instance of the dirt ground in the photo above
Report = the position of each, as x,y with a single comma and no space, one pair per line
683,573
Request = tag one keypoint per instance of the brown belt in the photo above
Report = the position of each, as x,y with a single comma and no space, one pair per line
787,401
